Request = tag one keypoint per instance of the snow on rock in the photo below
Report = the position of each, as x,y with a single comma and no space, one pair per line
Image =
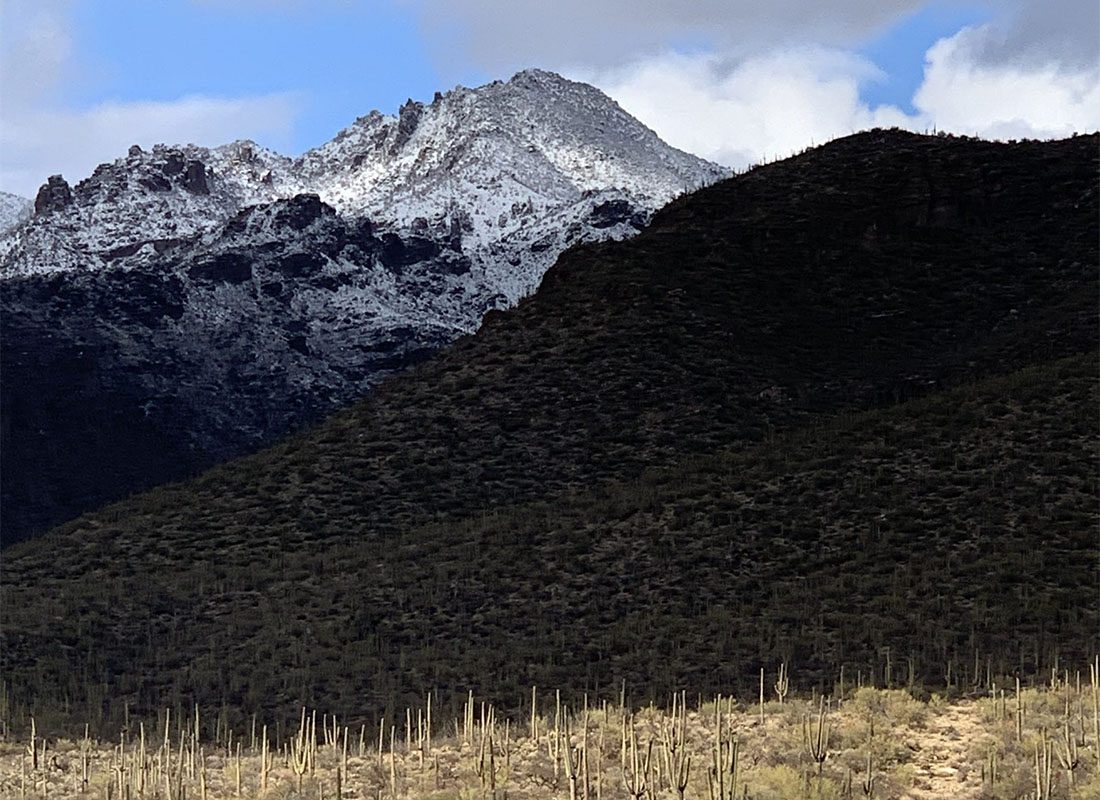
485,163
14,211
140,204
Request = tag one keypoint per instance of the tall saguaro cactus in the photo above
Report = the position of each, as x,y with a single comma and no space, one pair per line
782,683
815,735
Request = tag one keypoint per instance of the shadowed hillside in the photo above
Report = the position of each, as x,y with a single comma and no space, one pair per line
356,565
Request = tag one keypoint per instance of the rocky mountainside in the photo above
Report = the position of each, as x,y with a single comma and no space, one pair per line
184,305
841,403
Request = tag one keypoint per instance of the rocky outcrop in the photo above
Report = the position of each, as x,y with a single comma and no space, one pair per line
302,210
54,195
616,212
407,120
194,178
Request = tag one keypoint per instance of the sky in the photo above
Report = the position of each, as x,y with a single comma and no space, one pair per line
735,81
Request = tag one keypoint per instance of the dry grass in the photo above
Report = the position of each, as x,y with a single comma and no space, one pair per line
969,749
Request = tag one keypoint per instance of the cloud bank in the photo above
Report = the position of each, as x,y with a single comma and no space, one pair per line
966,91
743,112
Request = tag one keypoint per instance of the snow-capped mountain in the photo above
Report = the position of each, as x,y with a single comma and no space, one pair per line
488,163
186,304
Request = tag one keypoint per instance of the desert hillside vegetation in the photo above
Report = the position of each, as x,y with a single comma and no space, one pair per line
1040,743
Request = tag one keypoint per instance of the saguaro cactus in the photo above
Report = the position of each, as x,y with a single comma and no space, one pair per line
815,735
782,683
1044,767
299,750
636,768
722,776
1067,751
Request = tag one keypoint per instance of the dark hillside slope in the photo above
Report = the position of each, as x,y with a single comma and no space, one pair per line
953,529
875,269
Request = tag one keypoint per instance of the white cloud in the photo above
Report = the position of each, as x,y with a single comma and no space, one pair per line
966,93
37,143
762,80
741,113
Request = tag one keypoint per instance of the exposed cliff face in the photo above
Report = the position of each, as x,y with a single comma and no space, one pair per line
185,304
55,195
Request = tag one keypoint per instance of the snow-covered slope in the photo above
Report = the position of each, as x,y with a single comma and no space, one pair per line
537,141
505,164
137,206
14,211
200,302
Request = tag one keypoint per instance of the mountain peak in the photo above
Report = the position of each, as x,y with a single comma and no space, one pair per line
534,75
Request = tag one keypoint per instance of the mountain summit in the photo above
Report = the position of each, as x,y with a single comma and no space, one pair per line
183,305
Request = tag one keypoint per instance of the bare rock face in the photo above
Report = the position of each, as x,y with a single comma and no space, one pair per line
55,194
302,210
194,178
408,119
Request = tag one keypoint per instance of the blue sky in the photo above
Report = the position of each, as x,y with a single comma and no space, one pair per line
727,79
899,50
337,64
